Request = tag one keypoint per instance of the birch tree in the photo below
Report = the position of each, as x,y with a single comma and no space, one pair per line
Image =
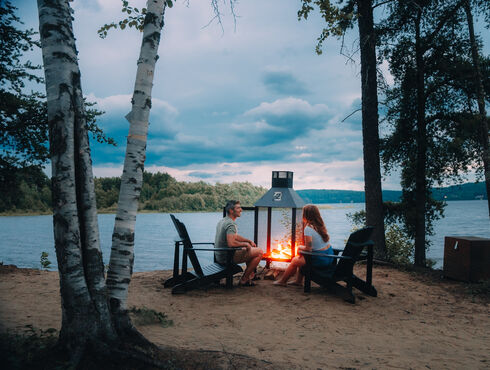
122,253
85,312
95,319
87,322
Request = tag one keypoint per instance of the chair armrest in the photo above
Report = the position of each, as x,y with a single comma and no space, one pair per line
325,255
216,249
182,241
365,244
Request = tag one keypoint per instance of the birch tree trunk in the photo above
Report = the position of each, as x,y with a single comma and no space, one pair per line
85,312
122,252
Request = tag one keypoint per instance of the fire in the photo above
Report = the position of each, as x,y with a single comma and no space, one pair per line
283,252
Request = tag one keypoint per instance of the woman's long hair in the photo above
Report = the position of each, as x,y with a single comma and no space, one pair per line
311,214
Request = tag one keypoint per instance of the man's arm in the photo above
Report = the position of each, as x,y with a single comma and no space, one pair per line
235,240
242,239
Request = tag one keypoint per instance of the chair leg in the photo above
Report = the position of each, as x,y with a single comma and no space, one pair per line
363,286
169,283
307,274
344,292
229,280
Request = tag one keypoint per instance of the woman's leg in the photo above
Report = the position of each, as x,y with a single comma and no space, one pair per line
290,270
299,276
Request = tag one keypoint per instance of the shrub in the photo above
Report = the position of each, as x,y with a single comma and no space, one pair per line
399,248
45,263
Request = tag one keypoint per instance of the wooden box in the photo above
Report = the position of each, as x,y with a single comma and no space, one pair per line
467,258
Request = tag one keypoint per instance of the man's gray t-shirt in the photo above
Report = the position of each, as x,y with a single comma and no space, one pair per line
224,227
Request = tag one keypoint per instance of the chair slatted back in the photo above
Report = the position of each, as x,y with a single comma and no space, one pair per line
186,240
353,248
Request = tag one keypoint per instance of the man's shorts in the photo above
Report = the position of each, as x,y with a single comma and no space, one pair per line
241,256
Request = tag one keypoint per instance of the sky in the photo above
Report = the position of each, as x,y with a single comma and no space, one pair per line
229,103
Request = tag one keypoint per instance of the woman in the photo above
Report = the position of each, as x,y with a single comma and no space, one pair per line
315,239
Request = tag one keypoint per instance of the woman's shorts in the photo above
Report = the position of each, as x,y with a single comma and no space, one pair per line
322,261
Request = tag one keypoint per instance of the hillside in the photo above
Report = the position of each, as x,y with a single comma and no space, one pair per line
162,193
468,191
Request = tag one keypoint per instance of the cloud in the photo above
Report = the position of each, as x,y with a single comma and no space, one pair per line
283,82
218,174
116,107
282,120
201,175
288,129
307,175
289,107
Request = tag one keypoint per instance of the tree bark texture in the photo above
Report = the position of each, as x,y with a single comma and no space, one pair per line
122,253
85,312
484,133
370,132
420,167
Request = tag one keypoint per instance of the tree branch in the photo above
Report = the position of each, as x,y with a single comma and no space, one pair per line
381,3
441,24
357,110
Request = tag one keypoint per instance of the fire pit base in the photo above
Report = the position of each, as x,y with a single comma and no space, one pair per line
272,274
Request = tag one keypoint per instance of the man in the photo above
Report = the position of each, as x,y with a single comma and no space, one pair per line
227,237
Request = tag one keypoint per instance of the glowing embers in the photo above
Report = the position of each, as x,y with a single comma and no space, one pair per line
283,252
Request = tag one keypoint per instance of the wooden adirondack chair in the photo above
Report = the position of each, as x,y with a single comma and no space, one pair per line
342,268
200,276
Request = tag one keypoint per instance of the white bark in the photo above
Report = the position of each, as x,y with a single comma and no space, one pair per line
122,253
76,233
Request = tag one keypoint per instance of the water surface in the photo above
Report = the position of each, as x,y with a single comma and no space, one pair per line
24,238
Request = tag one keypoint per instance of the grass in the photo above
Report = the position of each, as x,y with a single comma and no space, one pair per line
147,316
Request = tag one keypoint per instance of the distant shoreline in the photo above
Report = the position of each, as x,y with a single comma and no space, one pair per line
113,211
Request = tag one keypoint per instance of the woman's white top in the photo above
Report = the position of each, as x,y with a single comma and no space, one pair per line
317,242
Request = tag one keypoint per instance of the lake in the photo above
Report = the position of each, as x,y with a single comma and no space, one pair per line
24,238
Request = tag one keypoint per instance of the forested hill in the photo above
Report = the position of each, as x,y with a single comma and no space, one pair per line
161,192
29,192
468,191
25,193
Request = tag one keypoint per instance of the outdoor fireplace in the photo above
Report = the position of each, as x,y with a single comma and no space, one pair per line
275,222
278,218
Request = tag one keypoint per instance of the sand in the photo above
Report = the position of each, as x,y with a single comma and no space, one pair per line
417,321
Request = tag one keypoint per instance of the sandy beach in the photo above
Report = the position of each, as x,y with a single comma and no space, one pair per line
417,321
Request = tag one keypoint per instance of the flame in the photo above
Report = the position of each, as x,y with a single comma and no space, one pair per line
283,251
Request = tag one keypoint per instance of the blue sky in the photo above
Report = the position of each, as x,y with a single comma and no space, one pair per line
229,104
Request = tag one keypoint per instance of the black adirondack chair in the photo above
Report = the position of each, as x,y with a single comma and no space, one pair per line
185,280
342,268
